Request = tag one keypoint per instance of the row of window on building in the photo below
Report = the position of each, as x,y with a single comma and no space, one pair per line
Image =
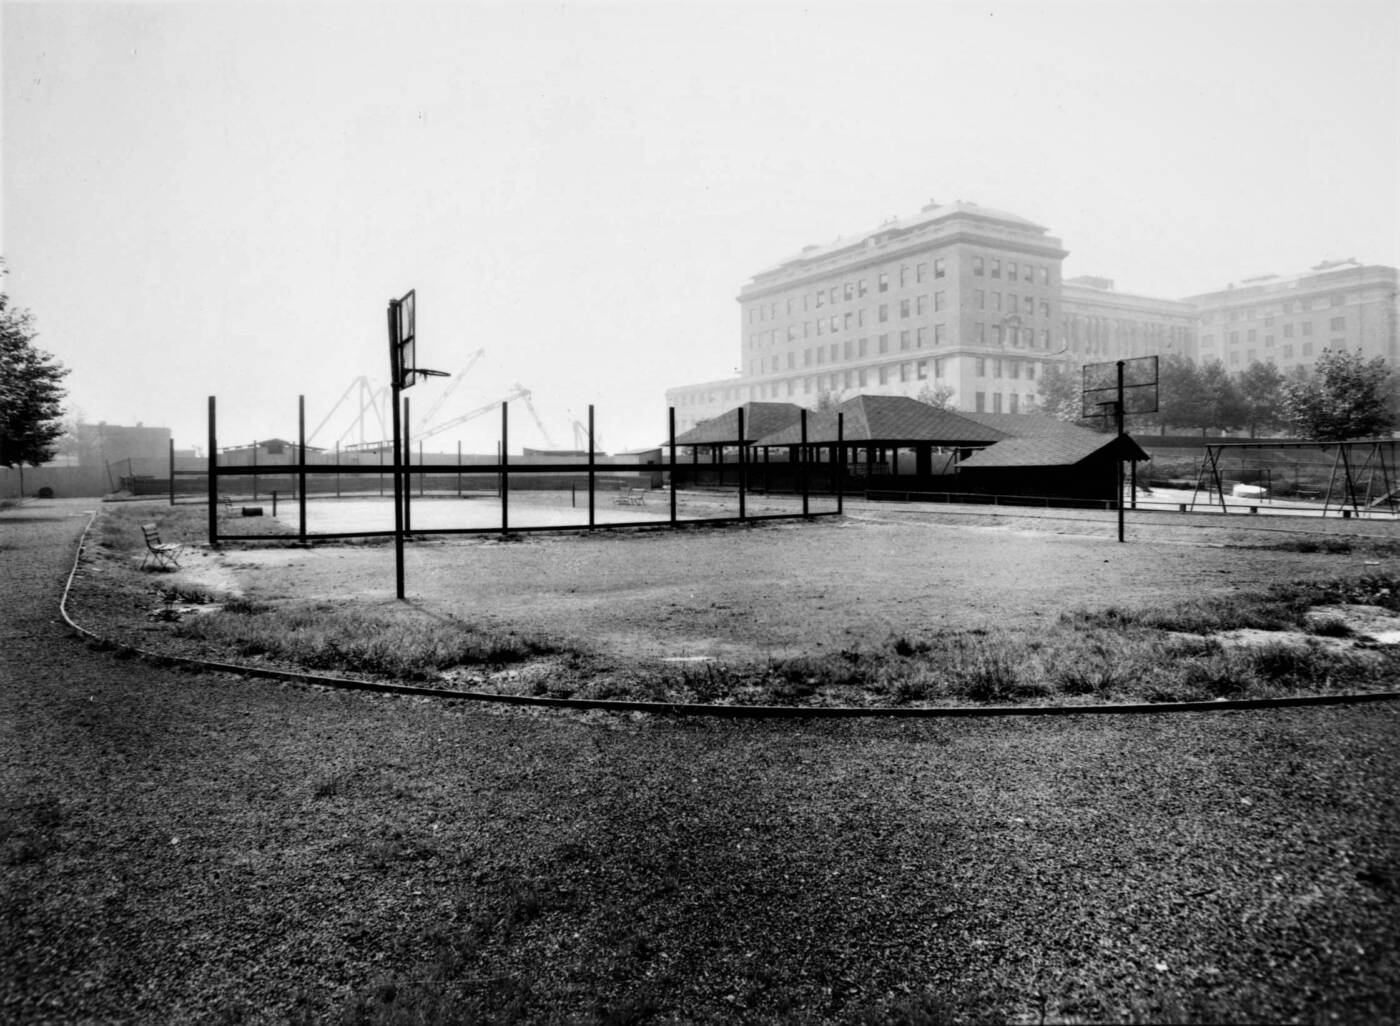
916,306
1305,328
1286,307
907,340
908,275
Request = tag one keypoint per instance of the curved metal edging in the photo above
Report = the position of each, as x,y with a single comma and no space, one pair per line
695,709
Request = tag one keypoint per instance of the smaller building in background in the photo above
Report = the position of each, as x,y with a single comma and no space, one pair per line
1101,323
1288,320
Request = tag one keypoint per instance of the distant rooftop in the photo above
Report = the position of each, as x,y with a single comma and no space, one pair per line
930,213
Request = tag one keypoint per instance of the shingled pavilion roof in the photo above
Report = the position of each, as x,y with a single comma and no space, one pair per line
760,419
892,419
1052,451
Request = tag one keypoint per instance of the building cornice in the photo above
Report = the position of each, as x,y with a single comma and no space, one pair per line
789,275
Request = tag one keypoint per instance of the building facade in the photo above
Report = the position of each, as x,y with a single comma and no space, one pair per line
1288,320
968,304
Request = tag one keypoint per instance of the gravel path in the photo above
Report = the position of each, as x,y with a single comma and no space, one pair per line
182,847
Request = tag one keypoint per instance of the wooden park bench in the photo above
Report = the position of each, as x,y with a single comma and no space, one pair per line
163,554
631,496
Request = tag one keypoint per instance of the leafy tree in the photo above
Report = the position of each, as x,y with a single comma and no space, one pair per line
828,400
1344,397
1180,400
938,396
1221,399
1061,391
1261,391
31,393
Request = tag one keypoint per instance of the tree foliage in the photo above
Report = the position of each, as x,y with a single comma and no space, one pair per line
940,397
1344,397
1061,387
31,391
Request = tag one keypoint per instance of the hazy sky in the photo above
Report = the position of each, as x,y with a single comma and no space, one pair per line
220,199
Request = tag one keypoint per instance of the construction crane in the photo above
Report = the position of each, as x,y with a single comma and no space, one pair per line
519,391
370,400
452,386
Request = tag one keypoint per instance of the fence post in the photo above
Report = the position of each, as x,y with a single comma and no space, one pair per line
743,465
212,465
172,470
301,466
592,467
505,473
802,462
840,463
671,416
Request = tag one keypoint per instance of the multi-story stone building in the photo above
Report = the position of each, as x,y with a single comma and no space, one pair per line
968,302
958,296
1288,320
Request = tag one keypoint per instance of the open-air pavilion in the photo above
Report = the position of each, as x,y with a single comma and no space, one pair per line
899,446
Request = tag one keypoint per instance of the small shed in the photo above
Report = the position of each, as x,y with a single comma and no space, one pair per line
1060,465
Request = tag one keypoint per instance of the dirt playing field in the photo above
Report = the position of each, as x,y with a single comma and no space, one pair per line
789,588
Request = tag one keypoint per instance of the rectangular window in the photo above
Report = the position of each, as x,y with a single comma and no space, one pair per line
1251,335
884,282
821,326
903,275
904,308
860,287
1011,270
979,333
940,267
904,372
1015,407
904,341
1045,308
1307,349
884,312
996,334
981,367
884,375
849,290
846,349
806,358
1044,276
1288,352
996,402
835,291
921,338
977,266
940,333
1339,324
921,369
1288,331
1030,370
860,349
1307,327
848,321
938,368
996,301
996,267
1338,299
921,304
821,299
981,299
996,368
884,344
860,317
1268,341
981,402
920,272
940,300
860,377
1028,305
1044,338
